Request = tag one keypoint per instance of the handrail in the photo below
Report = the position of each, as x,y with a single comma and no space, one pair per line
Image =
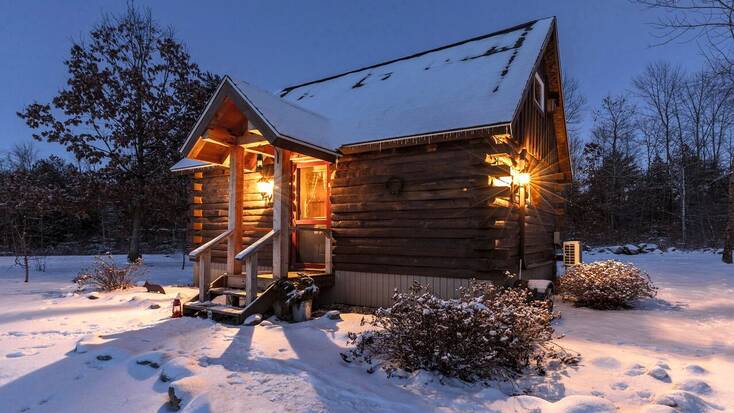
214,241
255,246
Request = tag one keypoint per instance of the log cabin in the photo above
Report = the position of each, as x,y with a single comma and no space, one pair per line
439,167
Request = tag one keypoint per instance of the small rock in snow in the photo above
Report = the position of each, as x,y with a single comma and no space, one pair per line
649,247
333,315
93,295
672,249
631,249
660,374
154,306
616,249
104,357
696,369
696,386
254,319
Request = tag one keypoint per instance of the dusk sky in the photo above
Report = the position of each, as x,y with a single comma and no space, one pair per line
276,43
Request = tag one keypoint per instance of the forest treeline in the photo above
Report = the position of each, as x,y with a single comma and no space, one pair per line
655,165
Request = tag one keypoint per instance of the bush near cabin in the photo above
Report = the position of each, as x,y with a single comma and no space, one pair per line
605,285
488,333
106,275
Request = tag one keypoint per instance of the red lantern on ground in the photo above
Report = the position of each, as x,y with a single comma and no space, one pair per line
177,307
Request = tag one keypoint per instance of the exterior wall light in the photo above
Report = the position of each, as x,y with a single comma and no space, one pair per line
265,187
521,179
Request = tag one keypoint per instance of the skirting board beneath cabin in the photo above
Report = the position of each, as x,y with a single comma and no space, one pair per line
376,289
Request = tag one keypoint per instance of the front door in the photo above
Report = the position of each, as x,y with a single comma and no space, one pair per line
312,215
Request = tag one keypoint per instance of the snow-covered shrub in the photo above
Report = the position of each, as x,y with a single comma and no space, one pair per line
106,275
605,285
487,333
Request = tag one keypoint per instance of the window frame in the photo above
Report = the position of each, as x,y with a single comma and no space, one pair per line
539,100
297,215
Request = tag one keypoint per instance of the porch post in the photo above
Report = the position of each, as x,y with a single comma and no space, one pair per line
281,213
234,210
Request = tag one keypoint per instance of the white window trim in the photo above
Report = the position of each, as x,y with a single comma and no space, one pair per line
541,103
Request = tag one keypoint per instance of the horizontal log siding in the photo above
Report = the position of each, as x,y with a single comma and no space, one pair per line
442,220
257,215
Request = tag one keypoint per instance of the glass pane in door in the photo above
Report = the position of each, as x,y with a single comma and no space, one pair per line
312,192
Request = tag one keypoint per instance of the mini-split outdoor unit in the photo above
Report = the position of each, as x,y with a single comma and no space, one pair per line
571,253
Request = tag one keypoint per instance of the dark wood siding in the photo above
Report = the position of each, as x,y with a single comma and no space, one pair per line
210,197
534,130
424,210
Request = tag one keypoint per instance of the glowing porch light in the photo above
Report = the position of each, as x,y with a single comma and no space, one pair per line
521,178
265,188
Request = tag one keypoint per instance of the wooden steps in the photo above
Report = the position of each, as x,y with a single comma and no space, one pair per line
233,310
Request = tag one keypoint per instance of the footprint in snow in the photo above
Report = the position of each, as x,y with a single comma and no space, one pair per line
606,362
696,369
619,386
644,394
17,354
696,386
635,370
659,373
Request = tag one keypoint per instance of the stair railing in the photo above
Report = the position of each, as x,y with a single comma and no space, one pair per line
249,256
202,258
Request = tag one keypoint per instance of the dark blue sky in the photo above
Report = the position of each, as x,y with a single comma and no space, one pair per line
275,43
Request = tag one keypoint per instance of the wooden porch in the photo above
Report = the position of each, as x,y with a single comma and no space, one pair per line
258,249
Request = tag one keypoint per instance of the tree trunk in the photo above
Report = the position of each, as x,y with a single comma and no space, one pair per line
729,231
683,211
133,253
26,265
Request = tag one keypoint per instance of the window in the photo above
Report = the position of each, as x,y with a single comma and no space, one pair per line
312,193
539,92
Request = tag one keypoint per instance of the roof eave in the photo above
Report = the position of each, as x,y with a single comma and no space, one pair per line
228,89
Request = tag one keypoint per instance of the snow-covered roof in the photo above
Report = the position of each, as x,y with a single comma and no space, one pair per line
471,84
476,82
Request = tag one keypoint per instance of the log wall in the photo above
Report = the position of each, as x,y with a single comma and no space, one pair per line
425,210
209,214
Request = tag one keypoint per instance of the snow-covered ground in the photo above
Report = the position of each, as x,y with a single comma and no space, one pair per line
685,337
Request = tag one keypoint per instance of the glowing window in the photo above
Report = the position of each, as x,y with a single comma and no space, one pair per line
312,192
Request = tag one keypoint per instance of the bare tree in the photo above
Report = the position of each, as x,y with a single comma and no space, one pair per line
574,107
713,22
23,156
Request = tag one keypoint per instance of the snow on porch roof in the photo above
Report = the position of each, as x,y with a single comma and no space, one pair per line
187,164
474,83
